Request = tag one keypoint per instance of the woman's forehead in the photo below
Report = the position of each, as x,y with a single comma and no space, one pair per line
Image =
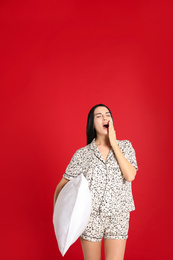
100,109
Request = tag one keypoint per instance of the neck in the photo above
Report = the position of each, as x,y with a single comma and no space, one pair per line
102,140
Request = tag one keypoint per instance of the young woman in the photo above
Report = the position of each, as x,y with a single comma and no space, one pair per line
109,166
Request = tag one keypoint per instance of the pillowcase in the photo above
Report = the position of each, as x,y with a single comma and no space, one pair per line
71,212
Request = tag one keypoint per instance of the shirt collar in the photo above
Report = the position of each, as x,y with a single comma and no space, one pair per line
94,147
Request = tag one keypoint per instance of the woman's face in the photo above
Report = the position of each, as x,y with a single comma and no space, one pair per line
101,117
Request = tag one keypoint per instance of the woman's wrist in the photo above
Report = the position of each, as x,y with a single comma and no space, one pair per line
115,146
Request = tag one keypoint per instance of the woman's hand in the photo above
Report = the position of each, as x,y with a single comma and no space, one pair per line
112,134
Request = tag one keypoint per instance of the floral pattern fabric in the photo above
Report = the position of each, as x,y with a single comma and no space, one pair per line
110,191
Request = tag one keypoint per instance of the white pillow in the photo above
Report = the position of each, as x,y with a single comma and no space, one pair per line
71,212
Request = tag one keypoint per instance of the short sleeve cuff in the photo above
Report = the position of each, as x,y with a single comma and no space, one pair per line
67,176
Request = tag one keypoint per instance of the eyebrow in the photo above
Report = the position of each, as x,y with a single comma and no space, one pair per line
101,113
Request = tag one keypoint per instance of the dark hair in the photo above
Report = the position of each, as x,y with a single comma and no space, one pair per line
90,131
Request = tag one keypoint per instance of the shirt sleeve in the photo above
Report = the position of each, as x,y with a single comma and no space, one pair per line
74,168
130,154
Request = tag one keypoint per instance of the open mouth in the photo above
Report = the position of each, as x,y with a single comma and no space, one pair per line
106,125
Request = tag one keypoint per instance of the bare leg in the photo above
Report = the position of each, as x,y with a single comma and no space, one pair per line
114,249
91,250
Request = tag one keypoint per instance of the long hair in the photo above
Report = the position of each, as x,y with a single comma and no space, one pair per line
90,130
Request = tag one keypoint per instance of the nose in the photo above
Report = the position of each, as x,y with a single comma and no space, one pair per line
104,117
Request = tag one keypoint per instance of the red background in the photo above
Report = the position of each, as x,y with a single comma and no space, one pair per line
60,58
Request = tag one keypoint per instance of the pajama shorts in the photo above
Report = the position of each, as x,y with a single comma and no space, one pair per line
108,227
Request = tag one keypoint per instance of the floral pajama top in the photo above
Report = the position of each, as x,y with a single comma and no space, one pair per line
110,191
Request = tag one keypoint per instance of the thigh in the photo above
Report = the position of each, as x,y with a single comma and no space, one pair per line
91,250
114,249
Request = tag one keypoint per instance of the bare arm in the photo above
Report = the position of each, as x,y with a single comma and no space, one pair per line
127,169
60,185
